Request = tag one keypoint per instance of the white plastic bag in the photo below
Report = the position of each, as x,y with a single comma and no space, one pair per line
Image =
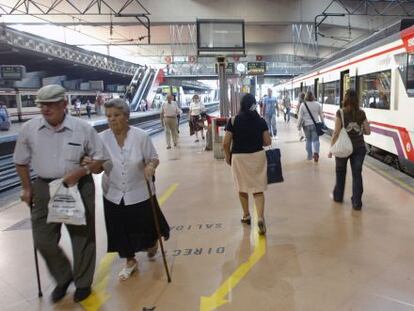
65,205
343,146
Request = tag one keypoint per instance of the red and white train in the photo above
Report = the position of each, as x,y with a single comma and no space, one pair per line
381,70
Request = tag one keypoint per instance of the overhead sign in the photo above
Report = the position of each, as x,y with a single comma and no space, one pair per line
229,69
12,72
256,68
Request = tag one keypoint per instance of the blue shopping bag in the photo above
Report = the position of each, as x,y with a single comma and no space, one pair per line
274,166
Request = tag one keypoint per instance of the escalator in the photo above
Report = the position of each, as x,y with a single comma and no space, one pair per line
143,89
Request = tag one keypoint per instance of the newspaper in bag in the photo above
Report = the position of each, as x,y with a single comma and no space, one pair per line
65,205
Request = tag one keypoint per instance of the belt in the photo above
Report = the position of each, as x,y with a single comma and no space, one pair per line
46,180
170,116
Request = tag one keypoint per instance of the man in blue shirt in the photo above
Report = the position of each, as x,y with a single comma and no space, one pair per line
269,110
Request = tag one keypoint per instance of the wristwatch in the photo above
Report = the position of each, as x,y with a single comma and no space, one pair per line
87,170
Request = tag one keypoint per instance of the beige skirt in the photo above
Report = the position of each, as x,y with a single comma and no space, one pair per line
249,171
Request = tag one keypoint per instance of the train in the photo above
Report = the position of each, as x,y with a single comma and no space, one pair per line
21,103
381,70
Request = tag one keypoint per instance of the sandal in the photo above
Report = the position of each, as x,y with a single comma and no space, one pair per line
126,271
246,220
152,251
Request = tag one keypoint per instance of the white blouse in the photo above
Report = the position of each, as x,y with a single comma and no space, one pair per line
124,175
196,108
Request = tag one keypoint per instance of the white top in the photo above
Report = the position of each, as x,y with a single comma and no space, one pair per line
304,117
196,108
170,109
52,152
124,175
77,104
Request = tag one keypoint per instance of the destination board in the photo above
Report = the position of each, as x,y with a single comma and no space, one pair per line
12,72
256,68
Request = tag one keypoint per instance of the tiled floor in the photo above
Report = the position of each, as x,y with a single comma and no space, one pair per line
317,255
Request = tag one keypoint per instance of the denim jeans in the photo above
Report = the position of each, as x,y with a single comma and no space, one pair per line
356,159
271,123
312,140
287,114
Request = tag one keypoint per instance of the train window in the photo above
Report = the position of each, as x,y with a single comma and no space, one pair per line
297,91
410,75
28,101
374,90
331,93
319,96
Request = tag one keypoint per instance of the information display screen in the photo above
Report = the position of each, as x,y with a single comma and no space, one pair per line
12,72
229,69
256,68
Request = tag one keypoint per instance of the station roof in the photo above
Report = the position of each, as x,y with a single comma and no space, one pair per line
279,31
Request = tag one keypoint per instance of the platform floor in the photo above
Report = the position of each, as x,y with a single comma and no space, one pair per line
317,254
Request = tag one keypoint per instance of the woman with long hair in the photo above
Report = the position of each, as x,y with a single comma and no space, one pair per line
310,110
356,125
247,133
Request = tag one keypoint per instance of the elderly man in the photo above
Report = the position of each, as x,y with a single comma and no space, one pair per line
169,113
53,145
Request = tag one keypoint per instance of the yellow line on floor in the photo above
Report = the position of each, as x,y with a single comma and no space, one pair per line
99,294
391,178
217,299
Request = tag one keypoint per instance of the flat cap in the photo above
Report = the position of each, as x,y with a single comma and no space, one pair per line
50,94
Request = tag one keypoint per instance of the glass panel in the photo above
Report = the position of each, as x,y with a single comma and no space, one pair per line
374,90
28,101
331,93
320,93
410,75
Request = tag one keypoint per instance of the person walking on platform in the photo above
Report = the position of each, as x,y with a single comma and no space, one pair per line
269,110
195,111
88,108
301,100
128,212
310,106
53,146
4,117
247,133
78,107
356,125
286,107
169,112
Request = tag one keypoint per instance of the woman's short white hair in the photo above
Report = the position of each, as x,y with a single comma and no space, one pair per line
118,103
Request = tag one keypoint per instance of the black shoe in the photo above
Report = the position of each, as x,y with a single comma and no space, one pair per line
60,291
262,227
246,220
81,294
357,207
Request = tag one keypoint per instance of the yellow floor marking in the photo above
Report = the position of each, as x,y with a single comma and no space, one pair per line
99,294
217,299
392,178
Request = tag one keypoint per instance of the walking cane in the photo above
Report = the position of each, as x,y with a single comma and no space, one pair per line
39,286
157,227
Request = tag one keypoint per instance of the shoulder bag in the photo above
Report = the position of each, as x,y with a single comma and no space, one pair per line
319,125
343,146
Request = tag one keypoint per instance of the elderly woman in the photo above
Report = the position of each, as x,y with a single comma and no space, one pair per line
128,212
247,133
195,111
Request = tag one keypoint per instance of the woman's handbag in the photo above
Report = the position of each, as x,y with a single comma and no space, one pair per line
274,166
320,127
343,146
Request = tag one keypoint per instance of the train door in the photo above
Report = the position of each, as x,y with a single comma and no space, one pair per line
315,86
345,84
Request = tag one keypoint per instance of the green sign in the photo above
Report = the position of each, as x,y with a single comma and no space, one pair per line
12,72
229,69
256,68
